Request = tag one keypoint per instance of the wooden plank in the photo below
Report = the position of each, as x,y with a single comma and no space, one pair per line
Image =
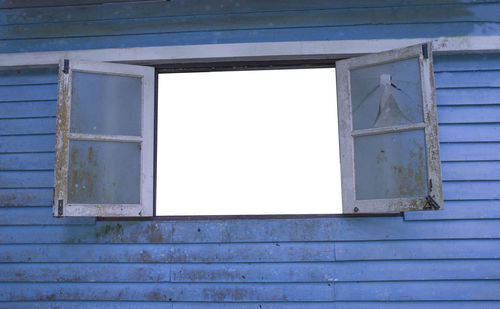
28,126
122,232
470,62
467,96
469,114
28,76
38,216
260,20
27,161
337,271
25,197
11,4
406,31
255,272
417,250
347,305
418,290
254,305
469,133
28,109
85,305
252,272
471,190
382,228
171,253
28,92
459,210
27,179
470,151
85,272
152,9
215,292
467,79
489,170
254,230
386,228
27,143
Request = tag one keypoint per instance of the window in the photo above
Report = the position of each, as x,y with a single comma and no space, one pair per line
389,148
253,142
388,132
104,140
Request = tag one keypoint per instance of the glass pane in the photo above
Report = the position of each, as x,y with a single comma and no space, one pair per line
390,165
106,104
103,172
386,95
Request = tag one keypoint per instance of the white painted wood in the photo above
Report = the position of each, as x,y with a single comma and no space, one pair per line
434,185
347,134
338,49
104,210
393,129
148,131
62,148
104,138
147,75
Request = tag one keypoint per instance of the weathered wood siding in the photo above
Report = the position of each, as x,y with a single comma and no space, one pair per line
448,259
179,22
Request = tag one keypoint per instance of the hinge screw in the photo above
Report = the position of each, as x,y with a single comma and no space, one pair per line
356,209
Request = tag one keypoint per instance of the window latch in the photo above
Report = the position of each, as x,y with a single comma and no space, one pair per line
66,66
431,203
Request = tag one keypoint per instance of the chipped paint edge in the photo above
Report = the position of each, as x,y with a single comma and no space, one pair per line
62,144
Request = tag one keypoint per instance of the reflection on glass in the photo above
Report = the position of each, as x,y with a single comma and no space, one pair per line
106,104
391,165
103,172
385,95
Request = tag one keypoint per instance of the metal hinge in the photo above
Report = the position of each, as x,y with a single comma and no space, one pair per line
66,66
431,203
60,208
425,50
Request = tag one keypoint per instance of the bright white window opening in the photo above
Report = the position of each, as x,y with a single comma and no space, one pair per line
248,142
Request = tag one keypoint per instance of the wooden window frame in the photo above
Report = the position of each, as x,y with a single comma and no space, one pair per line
347,133
61,206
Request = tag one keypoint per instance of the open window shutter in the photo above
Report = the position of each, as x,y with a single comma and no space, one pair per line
104,140
389,141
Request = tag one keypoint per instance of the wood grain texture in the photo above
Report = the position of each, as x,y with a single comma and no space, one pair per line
173,253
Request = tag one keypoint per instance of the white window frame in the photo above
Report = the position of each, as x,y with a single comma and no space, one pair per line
350,204
63,136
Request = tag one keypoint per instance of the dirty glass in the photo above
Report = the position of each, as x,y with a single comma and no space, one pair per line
103,172
106,104
386,95
391,165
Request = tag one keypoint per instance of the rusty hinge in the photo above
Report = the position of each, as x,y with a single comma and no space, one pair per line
425,50
431,203
66,66
60,208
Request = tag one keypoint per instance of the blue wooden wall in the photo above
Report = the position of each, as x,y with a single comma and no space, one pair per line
446,259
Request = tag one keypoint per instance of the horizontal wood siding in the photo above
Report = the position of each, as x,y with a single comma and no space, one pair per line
432,259
108,24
